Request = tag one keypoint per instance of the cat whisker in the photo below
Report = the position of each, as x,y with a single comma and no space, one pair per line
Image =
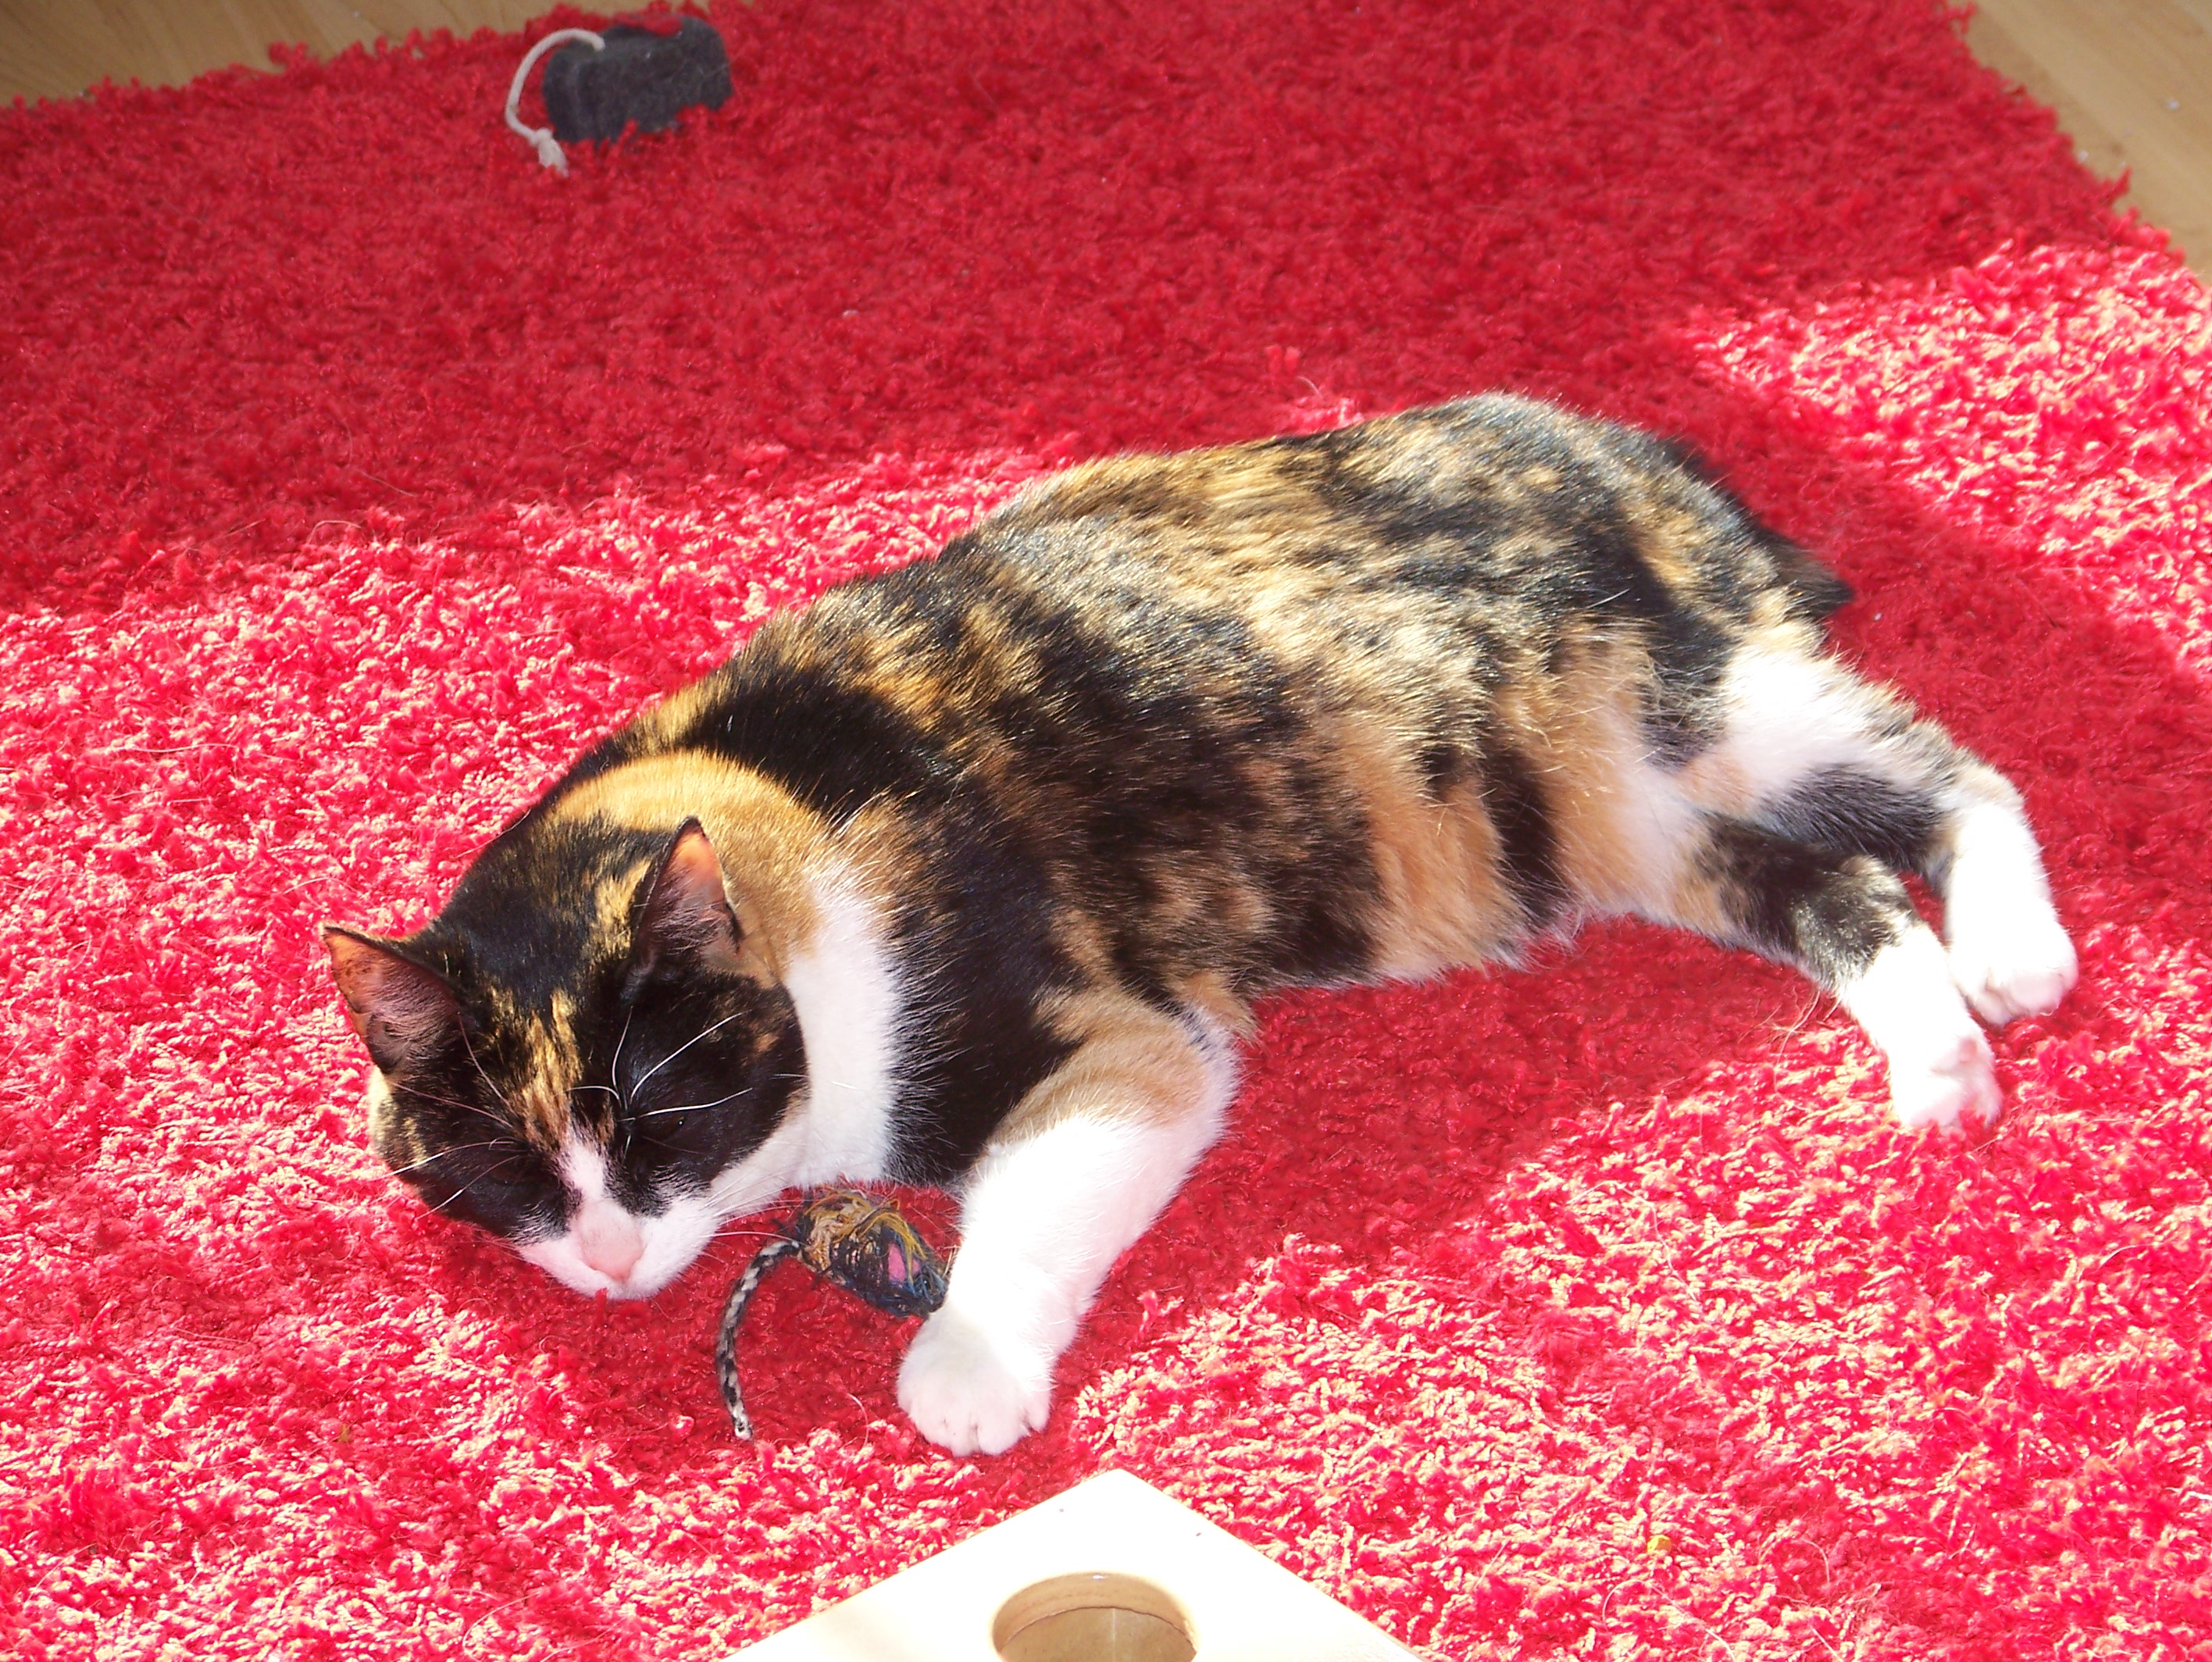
471,1184
458,1148
680,1048
456,1102
686,1107
469,1045
614,1067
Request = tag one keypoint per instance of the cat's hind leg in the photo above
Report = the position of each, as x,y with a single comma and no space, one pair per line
1845,920
1819,757
1078,1171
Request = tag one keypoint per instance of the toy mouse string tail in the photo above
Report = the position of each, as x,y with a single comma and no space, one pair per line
733,1312
541,139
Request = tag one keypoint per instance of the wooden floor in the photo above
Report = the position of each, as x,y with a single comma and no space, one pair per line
58,48
2131,79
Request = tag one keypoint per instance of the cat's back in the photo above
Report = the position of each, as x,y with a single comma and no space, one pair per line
1297,709
1181,609
1497,514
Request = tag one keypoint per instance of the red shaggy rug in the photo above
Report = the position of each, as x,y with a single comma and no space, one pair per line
354,472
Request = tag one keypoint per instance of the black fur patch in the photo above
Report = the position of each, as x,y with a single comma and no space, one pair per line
699,1073
1515,802
1853,812
479,1169
1826,913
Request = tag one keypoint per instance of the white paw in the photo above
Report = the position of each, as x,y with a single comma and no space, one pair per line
1940,1070
2009,954
2012,962
1941,1087
970,1392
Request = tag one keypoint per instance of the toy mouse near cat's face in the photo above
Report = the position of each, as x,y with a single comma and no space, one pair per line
969,873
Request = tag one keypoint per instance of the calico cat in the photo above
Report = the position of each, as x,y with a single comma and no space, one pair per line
969,874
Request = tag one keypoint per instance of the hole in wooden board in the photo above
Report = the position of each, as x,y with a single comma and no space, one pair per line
1093,1618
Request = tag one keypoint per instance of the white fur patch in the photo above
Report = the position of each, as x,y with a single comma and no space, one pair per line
2009,954
606,1247
851,1007
1940,1068
1657,823
1650,821
1043,1219
1789,716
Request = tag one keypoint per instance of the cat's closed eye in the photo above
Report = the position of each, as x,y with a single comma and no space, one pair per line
499,1183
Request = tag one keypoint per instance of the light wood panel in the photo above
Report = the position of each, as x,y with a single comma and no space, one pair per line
58,48
2131,82
1114,1542
2131,79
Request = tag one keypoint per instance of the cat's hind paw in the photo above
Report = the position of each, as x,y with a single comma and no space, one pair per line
969,1391
2009,954
2013,964
1946,1087
1940,1072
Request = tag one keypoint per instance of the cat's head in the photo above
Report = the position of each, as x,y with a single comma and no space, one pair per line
576,1048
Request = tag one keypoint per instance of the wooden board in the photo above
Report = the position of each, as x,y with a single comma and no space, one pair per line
58,48
1070,1561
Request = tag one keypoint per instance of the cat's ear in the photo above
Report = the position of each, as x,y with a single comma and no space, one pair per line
683,920
402,1011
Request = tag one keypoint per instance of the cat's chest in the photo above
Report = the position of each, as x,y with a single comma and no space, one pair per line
849,986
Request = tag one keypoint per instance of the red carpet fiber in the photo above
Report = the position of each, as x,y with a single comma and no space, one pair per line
354,472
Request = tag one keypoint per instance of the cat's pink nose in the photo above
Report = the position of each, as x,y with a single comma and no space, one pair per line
611,1242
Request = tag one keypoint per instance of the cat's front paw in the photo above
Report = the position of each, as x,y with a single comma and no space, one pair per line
971,1391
